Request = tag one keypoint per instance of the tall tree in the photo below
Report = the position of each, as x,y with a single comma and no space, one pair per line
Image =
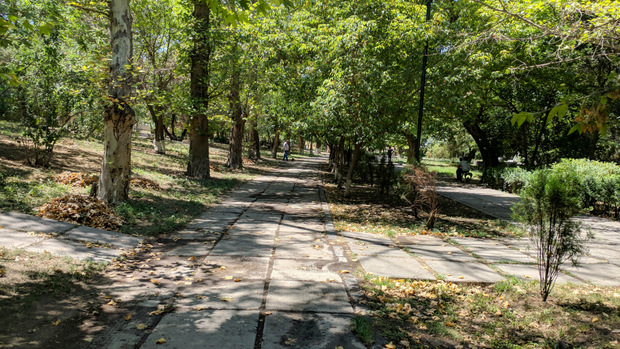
119,117
198,165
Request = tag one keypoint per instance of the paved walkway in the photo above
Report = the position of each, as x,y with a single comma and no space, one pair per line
265,268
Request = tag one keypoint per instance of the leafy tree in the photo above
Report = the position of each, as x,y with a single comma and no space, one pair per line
118,116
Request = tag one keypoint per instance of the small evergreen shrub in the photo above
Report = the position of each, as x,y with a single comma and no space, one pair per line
548,203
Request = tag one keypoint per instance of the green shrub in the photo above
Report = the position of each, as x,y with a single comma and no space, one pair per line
493,177
515,179
597,181
548,202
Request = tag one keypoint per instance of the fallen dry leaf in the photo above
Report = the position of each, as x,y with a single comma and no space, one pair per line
128,317
141,326
162,340
56,323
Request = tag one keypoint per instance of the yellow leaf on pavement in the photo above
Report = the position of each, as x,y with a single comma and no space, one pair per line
226,299
228,277
141,326
162,340
237,280
390,345
344,271
56,323
128,317
155,281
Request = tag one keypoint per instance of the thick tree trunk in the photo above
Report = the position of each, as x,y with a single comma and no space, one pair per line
198,165
235,149
119,117
487,149
356,153
254,148
276,144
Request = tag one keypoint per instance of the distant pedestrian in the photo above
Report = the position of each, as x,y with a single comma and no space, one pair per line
287,149
390,151
462,169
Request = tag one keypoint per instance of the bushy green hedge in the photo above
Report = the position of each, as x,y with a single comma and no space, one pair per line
515,178
598,182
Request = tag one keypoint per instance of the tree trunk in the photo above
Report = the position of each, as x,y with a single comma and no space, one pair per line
235,149
118,116
356,153
340,160
254,149
411,154
301,144
159,143
276,144
198,165
485,144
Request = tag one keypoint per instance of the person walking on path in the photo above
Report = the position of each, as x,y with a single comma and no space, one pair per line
287,149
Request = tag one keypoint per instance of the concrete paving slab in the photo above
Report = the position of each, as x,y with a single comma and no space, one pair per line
292,330
205,329
367,238
464,272
16,239
192,248
304,250
419,240
208,221
192,234
113,238
25,222
444,251
494,251
304,270
132,290
262,217
246,226
224,210
401,268
74,249
603,274
245,246
530,272
301,238
309,296
238,267
369,249
225,294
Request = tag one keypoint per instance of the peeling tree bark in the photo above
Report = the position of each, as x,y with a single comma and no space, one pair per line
118,116
198,165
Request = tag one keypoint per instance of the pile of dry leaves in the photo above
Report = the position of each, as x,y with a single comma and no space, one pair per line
76,179
145,183
82,210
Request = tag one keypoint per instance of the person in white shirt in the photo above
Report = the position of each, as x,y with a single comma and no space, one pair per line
287,149
462,169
